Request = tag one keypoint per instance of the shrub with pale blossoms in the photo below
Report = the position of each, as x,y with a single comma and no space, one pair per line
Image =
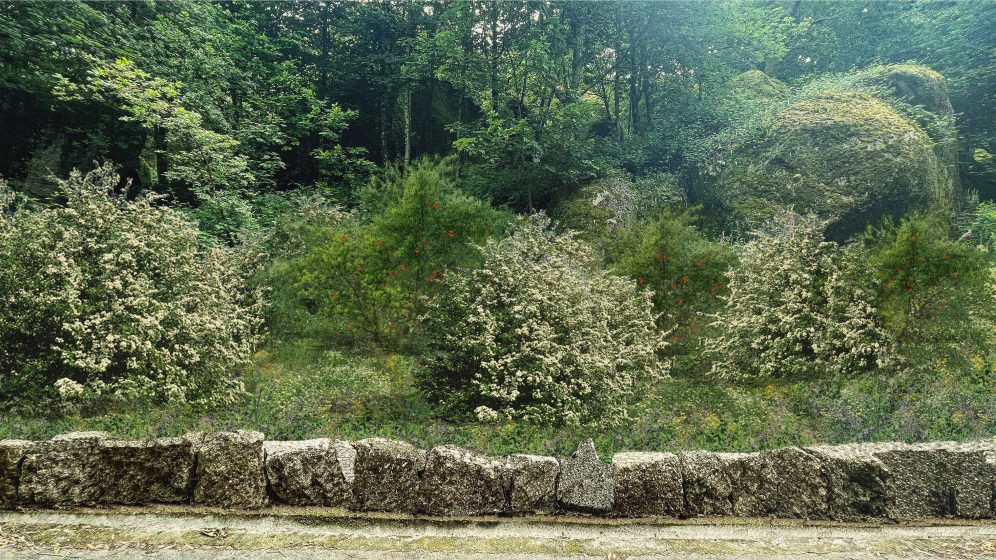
797,305
539,332
6,199
114,299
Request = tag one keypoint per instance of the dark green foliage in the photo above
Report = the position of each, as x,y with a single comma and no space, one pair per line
934,293
360,277
685,271
983,225
308,135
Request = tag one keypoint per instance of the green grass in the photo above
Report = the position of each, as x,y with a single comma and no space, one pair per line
300,390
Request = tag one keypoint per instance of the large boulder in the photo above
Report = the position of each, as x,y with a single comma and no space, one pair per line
388,475
605,203
915,84
63,470
707,484
230,470
648,484
458,481
532,483
848,157
860,484
139,472
11,454
317,472
585,482
921,86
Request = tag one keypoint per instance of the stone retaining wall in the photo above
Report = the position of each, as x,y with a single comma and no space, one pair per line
242,470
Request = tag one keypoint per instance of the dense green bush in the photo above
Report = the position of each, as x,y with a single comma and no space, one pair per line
685,272
983,226
360,276
539,332
530,161
113,299
932,292
797,305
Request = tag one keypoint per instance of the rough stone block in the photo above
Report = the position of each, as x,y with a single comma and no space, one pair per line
973,478
139,472
532,483
648,484
63,470
585,482
345,453
11,454
310,473
388,474
942,479
458,481
794,485
230,470
860,485
751,494
707,484
785,482
920,479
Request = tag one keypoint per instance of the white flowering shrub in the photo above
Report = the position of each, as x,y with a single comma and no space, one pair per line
797,305
6,199
539,332
114,299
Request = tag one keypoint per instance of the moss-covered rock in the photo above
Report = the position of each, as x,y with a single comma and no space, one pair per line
617,201
917,84
604,203
926,89
846,157
850,150
754,84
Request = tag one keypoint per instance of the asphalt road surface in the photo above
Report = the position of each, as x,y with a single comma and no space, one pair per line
303,534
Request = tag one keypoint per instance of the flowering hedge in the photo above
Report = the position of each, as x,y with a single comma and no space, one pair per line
539,332
797,304
107,298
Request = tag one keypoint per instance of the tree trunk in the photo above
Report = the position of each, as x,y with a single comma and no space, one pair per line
323,64
408,124
634,93
615,78
645,82
383,128
494,58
